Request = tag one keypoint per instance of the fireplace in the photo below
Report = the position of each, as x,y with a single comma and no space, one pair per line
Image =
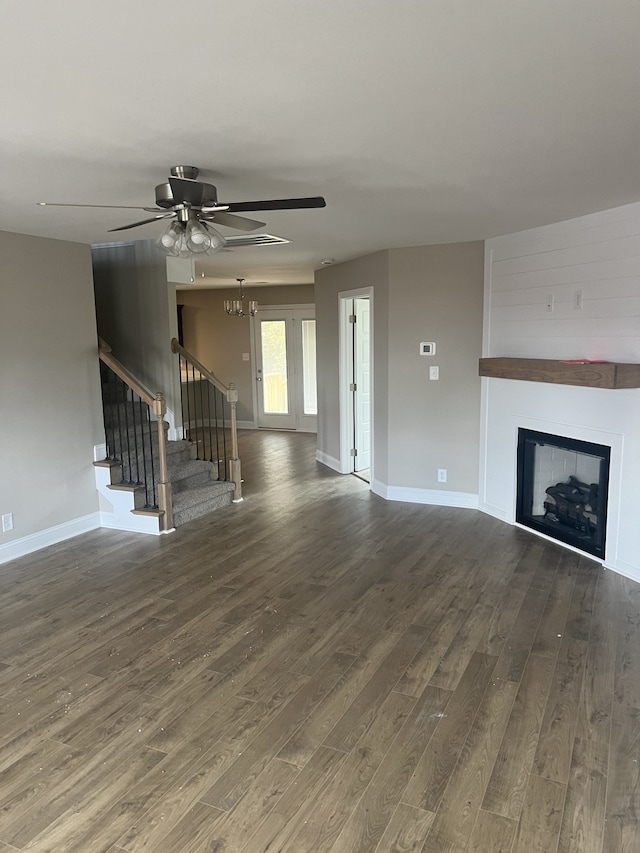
562,487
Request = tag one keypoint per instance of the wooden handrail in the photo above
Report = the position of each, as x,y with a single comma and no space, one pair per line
176,347
159,407
104,351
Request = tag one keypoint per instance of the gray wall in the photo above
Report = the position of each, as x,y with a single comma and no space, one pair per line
370,271
218,341
136,314
436,294
49,384
424,293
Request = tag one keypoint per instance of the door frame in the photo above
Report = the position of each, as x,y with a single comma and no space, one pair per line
345,369
304,421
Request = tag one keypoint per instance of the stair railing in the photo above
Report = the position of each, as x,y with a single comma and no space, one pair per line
129,435
205,419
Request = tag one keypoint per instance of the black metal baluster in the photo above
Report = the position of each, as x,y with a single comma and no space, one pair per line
135,439
123,398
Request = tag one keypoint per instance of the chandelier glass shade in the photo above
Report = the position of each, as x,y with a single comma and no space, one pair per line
235,307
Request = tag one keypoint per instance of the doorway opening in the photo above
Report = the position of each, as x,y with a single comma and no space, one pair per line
356,383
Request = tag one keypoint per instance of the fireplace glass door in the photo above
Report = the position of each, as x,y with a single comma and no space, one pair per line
562,488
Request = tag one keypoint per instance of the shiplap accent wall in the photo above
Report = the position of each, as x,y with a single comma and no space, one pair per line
597,256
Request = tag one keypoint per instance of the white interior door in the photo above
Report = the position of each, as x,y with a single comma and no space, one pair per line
285,355
362,383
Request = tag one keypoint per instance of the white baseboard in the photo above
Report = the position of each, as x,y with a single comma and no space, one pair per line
51,536
435,497
329,461
495,512
131,523
626,569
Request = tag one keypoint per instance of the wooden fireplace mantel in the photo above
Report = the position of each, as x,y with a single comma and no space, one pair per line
606,374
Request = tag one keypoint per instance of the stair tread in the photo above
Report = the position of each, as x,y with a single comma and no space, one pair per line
200,494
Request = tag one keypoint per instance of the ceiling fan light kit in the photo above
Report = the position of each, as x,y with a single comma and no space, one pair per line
193,207
192,237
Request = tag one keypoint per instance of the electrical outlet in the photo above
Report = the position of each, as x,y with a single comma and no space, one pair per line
442,475
550,302
577,300
434,372
7,522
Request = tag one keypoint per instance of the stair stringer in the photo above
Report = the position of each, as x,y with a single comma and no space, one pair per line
117,506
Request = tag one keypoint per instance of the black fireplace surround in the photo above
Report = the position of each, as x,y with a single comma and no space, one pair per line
562,487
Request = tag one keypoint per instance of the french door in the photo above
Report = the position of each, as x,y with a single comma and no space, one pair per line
285,362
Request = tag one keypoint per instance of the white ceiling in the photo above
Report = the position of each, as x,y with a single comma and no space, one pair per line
420,122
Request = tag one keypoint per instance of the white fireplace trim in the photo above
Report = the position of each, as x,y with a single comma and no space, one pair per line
563,427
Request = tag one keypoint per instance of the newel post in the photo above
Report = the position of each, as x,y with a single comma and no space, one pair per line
235,472
164,486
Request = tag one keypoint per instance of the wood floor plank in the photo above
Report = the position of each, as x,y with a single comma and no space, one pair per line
421,669
214,656
555,745
491,833
235,781
583,817
539,826
318,825
368,821
347,690
155,807
517,648
458,812
406,831
55,824
274,832
262,797
362,711
434,769
622,822
554,617
506,789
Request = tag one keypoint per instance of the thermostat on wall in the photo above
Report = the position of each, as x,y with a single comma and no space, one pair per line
427,348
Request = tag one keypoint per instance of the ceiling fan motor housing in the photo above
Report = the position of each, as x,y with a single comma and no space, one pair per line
191,193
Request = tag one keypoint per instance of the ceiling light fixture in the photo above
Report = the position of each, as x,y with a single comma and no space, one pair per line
188,235
235,307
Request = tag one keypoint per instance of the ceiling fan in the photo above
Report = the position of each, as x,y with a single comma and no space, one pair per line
193,209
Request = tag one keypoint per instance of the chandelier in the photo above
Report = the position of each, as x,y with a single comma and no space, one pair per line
235,307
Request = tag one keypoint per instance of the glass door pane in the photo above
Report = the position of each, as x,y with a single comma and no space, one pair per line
274,366
309,387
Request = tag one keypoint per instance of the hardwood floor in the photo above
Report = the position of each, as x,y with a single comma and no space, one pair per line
318,670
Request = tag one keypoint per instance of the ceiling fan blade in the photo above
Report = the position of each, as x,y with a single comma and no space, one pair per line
186,190
233,221
110,206
143,222
276,204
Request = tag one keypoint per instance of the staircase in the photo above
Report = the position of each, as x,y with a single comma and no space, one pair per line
138,473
